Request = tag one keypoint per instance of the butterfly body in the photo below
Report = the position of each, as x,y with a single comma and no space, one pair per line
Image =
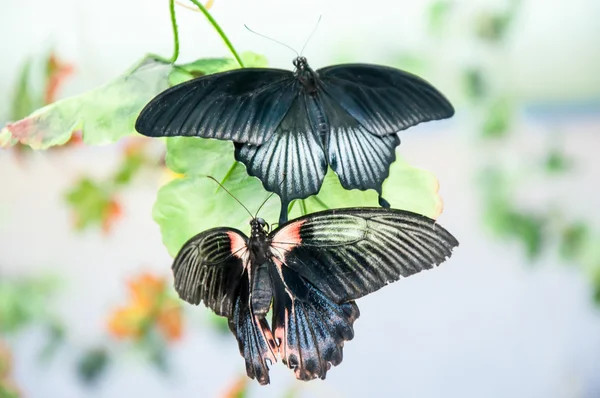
307,273
298,123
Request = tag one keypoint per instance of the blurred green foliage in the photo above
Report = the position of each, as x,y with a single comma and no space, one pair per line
92,365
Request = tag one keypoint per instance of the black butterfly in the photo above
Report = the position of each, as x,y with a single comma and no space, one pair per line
296,123
308,272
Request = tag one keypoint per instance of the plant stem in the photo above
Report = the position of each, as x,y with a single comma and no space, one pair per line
228,174
219,30
175,32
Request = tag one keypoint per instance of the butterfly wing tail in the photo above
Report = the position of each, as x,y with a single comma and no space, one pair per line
254,338
309,327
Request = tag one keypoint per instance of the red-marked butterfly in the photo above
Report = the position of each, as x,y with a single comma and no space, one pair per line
297,123
307,272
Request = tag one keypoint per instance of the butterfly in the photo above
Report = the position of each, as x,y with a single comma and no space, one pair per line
308,273
298,123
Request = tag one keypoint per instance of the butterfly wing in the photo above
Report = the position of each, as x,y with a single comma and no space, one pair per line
382,99
292,164
212,267
360,159
245,105
209,269
309,326
349,253
254,336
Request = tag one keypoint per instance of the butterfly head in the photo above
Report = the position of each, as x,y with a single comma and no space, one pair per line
300,63
259,226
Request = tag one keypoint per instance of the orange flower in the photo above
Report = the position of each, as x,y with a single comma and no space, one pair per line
150,306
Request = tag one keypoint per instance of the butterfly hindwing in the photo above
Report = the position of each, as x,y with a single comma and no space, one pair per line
209,268
293,163
349,253
360,159
384,100
244,105
309,327
254,336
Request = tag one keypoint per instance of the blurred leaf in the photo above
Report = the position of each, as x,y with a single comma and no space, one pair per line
25,301
190,205
104,115
207,66
8,389
23,101
474,81
493,26
572,239
132,163
92,365
498,119
56,337
91,203
438,13
557,162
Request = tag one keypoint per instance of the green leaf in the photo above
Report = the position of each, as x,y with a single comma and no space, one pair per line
105,114
190,205
207,66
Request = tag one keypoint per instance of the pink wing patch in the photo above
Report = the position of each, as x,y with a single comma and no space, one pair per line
288,238
238,246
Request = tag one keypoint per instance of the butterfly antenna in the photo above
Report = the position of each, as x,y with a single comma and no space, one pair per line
230,194
311,35
269,197
270,38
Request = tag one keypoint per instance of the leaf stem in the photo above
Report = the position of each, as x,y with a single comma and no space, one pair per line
175,32
228,174
219,30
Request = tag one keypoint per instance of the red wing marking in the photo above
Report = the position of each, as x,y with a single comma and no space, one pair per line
238,246
288,238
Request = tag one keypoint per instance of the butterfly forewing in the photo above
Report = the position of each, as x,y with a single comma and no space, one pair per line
348,253
209,268
240,105
384,100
